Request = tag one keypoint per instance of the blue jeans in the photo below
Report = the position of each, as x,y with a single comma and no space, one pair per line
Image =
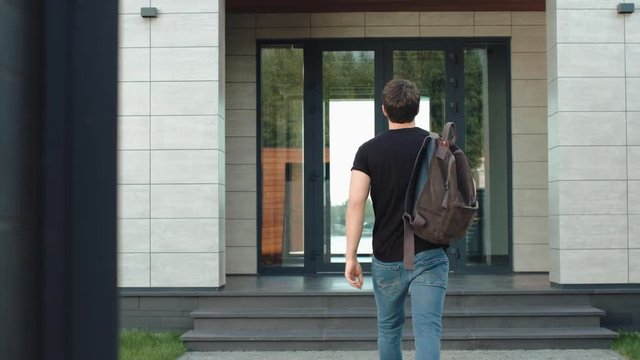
427,283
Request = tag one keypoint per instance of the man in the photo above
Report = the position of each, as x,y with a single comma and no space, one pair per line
383,165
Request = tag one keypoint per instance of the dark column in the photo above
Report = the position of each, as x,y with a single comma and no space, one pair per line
20,255
58,76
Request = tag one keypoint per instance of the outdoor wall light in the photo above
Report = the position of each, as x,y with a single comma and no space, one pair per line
626,8
149,12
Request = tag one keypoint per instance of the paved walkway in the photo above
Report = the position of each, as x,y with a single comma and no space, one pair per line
408,355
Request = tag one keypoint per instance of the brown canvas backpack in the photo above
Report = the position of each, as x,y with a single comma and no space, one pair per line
440,203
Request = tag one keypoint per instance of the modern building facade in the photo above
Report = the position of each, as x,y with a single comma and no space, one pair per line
237,126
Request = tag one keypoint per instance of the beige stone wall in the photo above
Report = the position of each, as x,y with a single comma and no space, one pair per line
529,120
594,142
171,153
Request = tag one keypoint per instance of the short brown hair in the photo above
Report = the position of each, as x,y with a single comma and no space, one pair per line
401,100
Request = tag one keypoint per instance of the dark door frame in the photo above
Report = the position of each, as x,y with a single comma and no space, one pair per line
313,124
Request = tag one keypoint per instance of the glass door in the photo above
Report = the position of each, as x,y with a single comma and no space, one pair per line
438,77
348,118
282,153
468,84
487,245
427,69
319,100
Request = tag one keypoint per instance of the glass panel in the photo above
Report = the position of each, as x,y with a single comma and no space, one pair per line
282,157
427,69
487,240
349,121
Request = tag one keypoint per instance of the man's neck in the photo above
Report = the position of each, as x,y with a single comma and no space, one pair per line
396,126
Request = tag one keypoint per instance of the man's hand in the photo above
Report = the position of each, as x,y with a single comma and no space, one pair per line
353,273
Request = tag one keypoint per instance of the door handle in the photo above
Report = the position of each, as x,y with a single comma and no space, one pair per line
453,58
455,252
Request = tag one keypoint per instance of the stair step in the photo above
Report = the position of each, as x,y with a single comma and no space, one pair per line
518,319
366,299
365,339
371,334
365,318
505,311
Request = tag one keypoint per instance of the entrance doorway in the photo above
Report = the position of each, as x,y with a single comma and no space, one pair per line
319,100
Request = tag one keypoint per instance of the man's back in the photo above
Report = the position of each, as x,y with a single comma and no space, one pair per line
388,159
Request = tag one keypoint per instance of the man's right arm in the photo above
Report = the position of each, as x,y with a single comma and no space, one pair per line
358,193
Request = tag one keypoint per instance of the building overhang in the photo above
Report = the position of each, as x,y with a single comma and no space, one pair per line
295,6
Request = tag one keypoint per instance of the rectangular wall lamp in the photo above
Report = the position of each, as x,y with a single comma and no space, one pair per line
626,8
149,12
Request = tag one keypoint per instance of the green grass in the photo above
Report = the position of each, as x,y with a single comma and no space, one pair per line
628,344
147,345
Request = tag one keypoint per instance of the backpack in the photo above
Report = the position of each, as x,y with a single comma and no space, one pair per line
440,203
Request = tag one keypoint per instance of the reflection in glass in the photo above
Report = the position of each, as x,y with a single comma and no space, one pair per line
349,120
427,69
487,242
282,157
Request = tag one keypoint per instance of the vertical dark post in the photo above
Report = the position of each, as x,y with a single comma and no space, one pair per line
20,253
58,77
79,102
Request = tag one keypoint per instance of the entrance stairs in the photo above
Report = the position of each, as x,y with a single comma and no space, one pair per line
346,320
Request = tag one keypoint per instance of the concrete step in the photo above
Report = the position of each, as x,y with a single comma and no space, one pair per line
365,299
365,339
347,321
267,319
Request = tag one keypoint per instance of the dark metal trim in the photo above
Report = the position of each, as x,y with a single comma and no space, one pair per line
267,270
383,48
259,157
313,167
509,154
318,220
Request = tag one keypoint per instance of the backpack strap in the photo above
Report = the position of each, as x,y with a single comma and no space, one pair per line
409,197
409,245
449,129
418,178
443,146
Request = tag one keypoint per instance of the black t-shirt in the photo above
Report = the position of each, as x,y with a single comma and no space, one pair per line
388,160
